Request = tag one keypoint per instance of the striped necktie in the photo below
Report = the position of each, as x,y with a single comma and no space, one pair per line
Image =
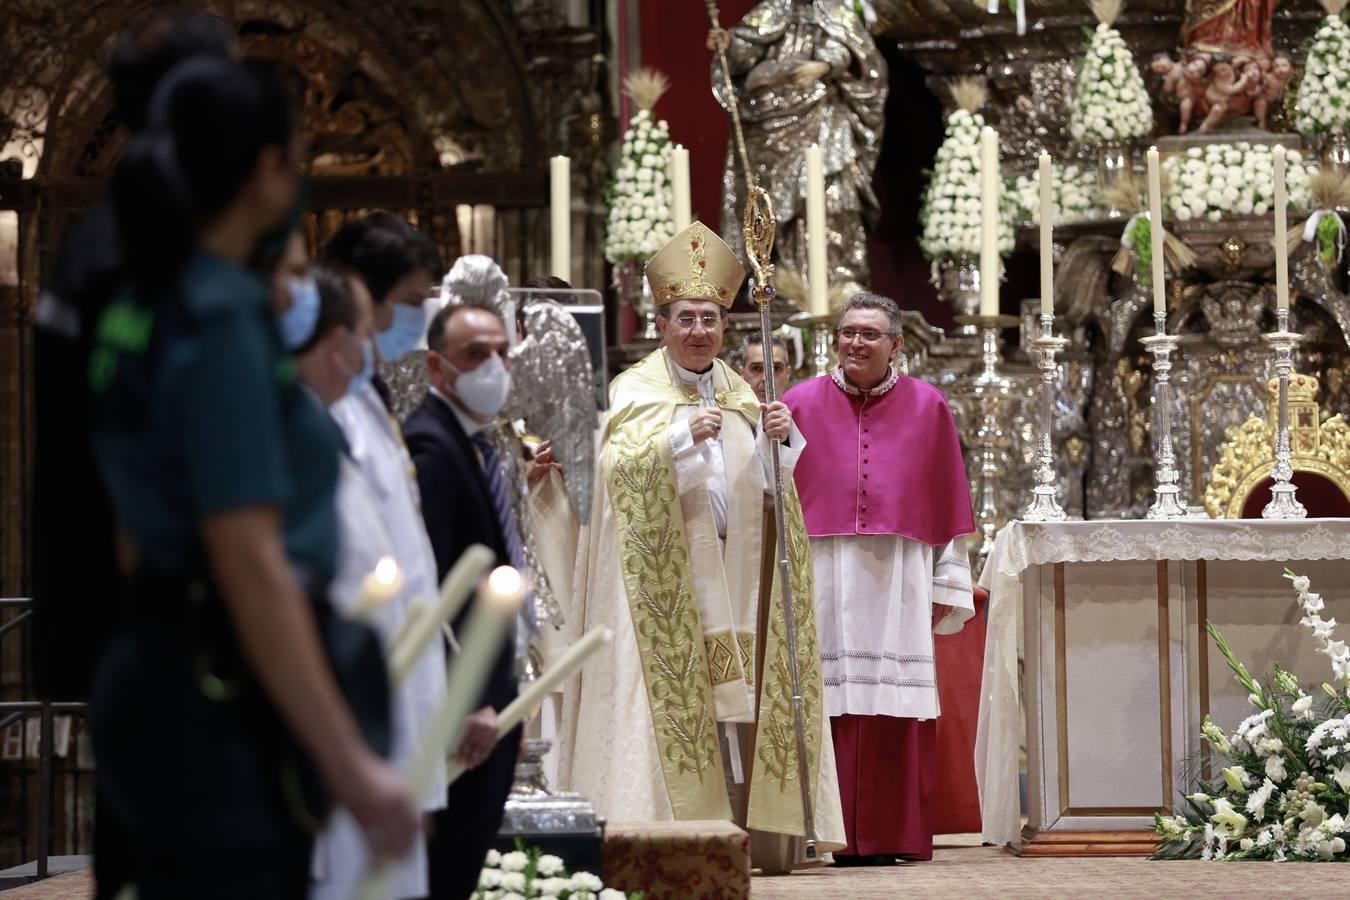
501,498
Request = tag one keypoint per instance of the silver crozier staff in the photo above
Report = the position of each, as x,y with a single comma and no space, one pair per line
758,229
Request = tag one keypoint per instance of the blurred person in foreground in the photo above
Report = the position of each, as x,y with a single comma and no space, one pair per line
222,472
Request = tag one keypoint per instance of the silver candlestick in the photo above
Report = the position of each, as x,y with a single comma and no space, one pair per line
1283,500
991,391
1167,502
1045,495
822,340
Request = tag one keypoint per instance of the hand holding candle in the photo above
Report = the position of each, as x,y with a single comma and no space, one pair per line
1281,226
455,590
817,261
1155,232
492,614
989,222
533,696
1047,236
560,216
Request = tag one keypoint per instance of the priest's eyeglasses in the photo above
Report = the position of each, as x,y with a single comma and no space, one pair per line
709,321
866,335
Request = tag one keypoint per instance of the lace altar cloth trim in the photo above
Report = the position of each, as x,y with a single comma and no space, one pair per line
1024,544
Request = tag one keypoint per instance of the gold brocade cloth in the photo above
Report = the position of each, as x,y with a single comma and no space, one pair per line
659,580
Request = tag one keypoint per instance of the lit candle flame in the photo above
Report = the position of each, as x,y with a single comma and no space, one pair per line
506,582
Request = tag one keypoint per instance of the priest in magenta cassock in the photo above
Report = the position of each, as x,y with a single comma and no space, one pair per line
675,721
887,505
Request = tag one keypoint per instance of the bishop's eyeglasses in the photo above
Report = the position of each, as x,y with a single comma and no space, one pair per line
709,321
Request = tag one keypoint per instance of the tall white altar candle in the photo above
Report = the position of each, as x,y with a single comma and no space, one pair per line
488,622
533,695
560,213
681,205
817,271
1281,241
455,590
1155,231
1047,236
989,221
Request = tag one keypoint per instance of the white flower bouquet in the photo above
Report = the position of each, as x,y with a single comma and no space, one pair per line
1110,103
639,196
1285,795
1219,179
1074,195
1323,103
950,214
526,873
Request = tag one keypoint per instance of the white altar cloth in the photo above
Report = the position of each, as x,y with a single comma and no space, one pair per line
1021,545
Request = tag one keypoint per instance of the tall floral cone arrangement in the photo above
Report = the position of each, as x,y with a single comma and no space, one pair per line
1323,104
640,219
1110,103
951,203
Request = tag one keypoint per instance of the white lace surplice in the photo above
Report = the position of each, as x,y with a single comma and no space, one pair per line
874,599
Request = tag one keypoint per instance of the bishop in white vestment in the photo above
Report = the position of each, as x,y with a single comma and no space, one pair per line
659,727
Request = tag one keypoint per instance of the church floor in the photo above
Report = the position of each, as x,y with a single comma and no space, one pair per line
961,868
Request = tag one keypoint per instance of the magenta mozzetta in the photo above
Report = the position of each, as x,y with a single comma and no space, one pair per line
893,479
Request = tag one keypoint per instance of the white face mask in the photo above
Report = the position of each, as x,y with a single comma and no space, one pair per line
485,389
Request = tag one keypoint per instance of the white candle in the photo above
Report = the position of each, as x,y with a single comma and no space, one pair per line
378,588
560,208
1155,232
1281,240
1047,237
455,590
989,220
533,696
817,262
416,610
681,204
488,622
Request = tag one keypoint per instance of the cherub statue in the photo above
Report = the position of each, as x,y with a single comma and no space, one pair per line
1224,92
1171,71
1273,85
1190,90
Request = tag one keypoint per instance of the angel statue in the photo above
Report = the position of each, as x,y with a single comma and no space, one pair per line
805,72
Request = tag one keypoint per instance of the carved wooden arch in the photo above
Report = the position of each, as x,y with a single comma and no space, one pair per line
453,65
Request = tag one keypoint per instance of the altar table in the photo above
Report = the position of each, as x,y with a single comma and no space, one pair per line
1119,672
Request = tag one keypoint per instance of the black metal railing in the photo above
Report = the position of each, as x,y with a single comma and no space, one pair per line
15,711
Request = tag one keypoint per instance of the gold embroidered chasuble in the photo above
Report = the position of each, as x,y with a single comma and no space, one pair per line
693,608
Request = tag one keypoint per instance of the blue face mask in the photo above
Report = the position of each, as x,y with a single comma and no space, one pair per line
367,370
409,324
297,323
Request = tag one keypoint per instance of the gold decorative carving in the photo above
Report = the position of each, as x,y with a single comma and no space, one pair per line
1318,446
1233,251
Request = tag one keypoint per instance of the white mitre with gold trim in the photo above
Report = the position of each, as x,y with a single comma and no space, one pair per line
695,264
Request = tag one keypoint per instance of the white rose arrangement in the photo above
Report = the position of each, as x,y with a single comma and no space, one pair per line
1110,103
640,220
1323,103
950,213
525,874
1219,179
1074,195
1285,795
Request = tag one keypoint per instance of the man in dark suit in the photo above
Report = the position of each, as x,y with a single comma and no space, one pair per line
466,500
